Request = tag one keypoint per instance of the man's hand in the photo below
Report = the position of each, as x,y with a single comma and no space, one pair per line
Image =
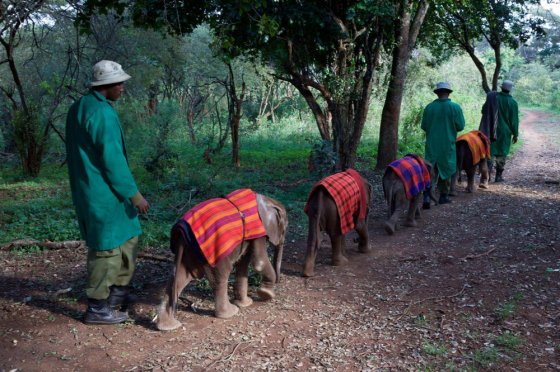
143,206
140,203
514,139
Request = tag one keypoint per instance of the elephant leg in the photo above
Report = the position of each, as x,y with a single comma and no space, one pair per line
470,179
338,249
363,236
455,180
484,174
262,265
413,209
242,282
417,200
219,281
391,224
166,320
313,236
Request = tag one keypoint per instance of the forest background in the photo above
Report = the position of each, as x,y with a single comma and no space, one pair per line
201,117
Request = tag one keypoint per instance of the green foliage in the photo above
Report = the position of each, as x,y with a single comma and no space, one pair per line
485,357
322,159
30,137
509,340
507,310
434,349
412,136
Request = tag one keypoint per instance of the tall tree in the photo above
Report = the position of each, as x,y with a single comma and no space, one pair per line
463,24
411,15
24,25
328,50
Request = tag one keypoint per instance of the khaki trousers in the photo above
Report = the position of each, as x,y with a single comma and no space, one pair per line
113,267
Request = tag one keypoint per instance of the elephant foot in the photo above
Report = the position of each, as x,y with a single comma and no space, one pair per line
247,301
389,228
340,261
483,185
265,294
308,273
167,322
364,248
228,312
411,223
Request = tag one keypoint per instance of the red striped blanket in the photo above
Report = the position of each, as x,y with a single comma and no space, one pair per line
413,173
221,224
348,192
478,144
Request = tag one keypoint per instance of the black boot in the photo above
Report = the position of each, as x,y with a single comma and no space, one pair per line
120,297
426,202
499,177
99,312
444,199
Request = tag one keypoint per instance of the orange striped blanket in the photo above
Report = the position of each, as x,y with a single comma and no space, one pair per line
348,192
221,224
478,144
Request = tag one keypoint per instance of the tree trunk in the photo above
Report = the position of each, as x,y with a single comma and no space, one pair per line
498,55
235,107
406,33
480,66
323,123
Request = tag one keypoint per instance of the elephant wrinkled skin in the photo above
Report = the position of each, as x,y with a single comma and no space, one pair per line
187,267
395,196
323,216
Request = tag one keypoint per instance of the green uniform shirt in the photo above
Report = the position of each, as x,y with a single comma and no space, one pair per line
100,178
508,124
441,121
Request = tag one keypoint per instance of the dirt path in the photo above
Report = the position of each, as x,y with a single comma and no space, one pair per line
475,286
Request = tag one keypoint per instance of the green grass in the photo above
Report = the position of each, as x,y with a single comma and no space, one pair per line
509,340
434,349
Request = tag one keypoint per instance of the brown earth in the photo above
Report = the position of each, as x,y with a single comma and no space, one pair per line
476,286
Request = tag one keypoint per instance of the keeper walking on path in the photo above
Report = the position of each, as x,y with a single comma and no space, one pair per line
104,193
441,121
500,123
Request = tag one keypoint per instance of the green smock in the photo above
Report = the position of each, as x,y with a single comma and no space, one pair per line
100,179
508,124
441,121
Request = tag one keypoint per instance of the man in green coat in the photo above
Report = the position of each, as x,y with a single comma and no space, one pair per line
441,121
104,193
507,128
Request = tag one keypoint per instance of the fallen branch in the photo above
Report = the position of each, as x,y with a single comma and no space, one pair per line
220,359
44,244
471,256
153,257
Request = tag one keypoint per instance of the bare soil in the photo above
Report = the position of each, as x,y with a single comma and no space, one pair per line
476,286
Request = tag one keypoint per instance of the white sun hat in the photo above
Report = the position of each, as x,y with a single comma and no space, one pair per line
443,85
108,72
507,85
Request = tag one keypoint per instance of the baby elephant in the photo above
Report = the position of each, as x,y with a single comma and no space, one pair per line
404,182
473,148
337,204
221,234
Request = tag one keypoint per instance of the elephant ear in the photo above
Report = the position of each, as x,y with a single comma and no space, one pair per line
274,218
